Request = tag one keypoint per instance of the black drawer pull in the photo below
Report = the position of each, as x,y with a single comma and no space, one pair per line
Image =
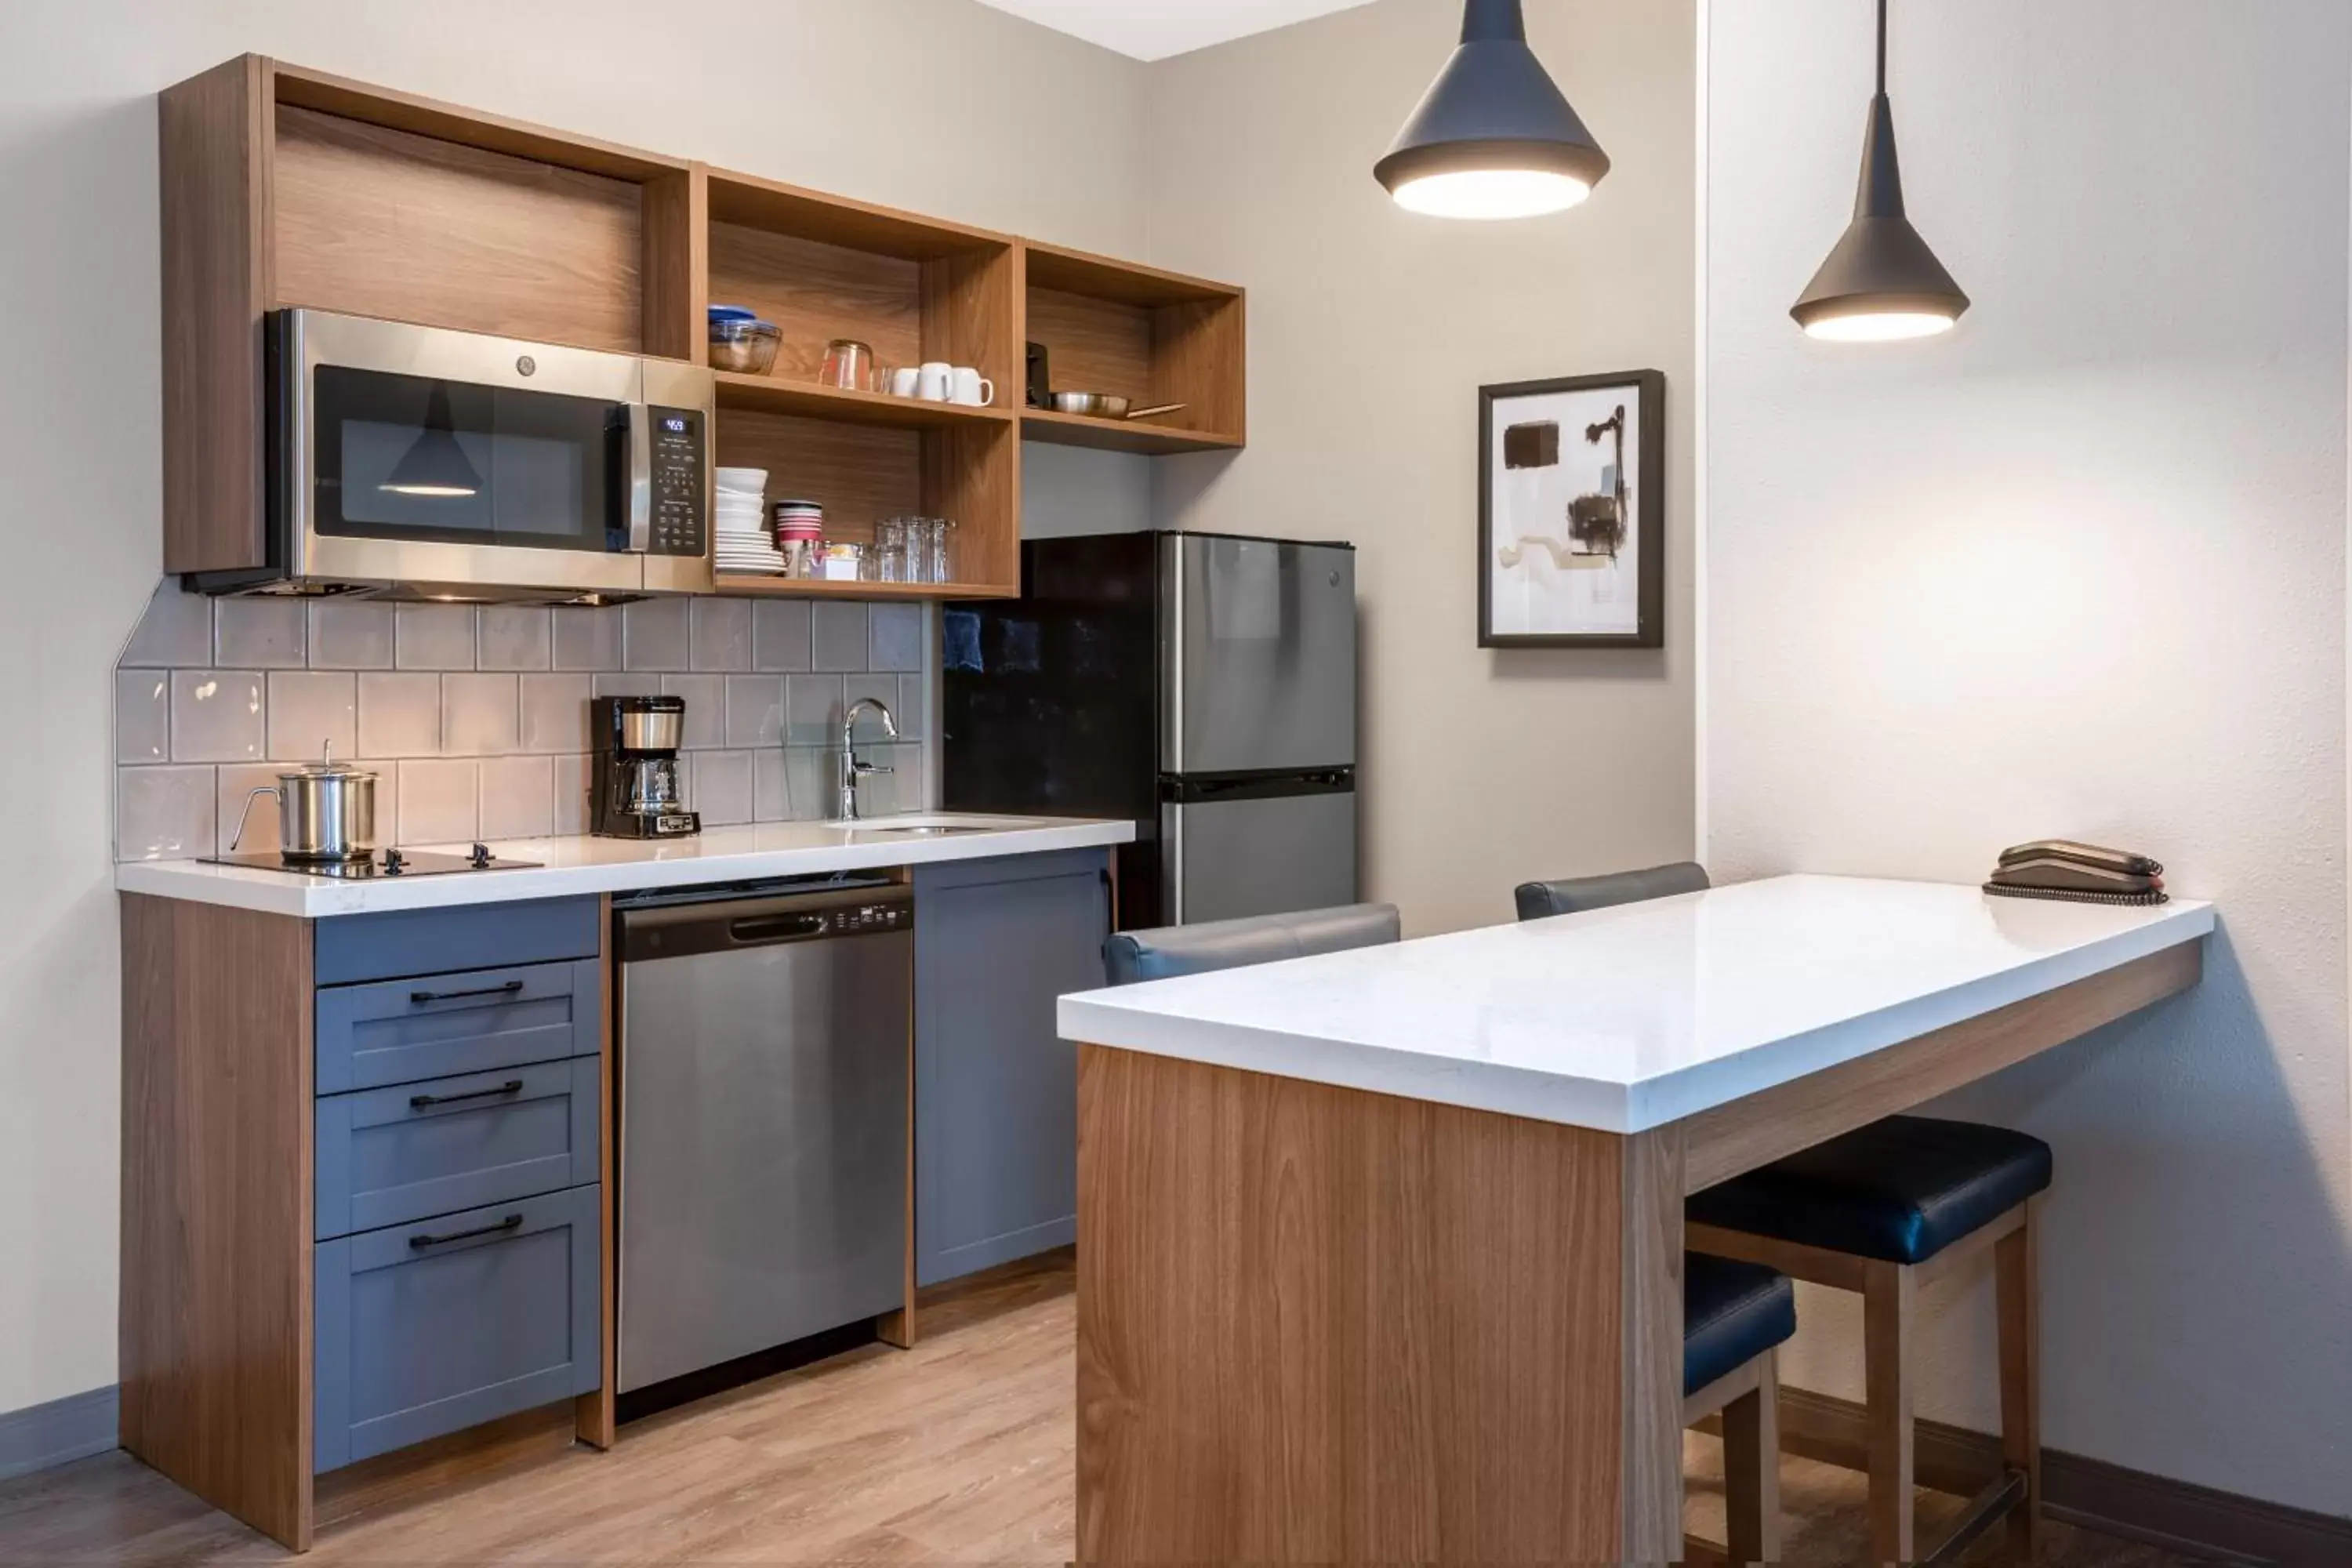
419,998
420,1101
512,1222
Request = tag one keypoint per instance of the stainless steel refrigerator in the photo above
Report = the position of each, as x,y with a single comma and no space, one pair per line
1202,684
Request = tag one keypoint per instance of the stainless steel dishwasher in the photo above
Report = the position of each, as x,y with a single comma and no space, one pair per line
764,1118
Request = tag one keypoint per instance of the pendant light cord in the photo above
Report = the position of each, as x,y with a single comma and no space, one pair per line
1882,48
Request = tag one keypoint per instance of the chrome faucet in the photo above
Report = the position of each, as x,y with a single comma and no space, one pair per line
852,770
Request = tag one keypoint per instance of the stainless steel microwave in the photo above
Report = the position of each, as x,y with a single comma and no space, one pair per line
419,462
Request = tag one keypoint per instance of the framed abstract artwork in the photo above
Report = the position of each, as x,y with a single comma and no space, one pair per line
1571,513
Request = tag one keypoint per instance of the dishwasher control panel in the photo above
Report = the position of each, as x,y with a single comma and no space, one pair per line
859,919
667,926
856,919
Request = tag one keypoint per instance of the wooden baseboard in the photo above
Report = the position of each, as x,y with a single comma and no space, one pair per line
2179,1516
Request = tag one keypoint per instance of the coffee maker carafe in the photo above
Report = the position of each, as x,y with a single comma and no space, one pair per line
634,772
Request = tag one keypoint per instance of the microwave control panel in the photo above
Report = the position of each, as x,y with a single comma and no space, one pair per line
679,507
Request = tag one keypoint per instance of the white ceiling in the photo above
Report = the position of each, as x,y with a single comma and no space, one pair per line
1154,29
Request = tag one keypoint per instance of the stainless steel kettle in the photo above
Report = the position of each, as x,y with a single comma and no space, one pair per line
325,812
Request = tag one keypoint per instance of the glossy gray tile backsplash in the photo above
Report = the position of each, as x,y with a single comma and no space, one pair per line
477,718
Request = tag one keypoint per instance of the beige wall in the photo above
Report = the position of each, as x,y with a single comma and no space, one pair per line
1370,332
937,105
2076,570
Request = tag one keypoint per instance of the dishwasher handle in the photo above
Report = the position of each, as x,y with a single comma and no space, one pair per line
683,930
753,930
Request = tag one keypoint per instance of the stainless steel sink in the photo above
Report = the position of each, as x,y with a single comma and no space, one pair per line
915,826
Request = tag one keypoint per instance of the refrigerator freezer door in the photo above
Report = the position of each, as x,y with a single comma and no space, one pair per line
1261,664
1263,856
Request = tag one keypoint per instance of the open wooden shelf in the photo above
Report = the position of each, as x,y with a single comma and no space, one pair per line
910,288
284,186
821,267
1142,333
811,588
770,395
1145,436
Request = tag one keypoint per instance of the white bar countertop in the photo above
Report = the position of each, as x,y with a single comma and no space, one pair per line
586,865
1627,1018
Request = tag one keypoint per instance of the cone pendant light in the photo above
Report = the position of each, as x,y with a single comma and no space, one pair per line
1881,283
1492,138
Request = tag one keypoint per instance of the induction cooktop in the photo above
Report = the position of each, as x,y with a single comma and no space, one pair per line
384,863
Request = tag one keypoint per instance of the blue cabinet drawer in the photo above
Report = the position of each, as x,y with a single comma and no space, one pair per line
389,1155
403,1031
426,1329
349,949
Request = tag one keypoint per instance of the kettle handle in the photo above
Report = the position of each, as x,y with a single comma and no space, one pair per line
248,812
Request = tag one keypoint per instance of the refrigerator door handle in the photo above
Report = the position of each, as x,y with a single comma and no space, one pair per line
1172,818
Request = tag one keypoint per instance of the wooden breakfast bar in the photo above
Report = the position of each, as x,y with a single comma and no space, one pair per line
1380,1252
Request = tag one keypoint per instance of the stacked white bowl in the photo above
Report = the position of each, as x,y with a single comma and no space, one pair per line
738,512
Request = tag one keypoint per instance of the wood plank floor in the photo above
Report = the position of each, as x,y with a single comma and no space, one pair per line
958,1451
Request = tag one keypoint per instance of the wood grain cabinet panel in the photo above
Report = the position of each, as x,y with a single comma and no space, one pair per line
216,1310
1289,1298
377,222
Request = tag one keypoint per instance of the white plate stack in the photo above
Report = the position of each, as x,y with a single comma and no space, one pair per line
739,512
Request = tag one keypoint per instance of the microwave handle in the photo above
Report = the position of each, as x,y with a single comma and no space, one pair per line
637,426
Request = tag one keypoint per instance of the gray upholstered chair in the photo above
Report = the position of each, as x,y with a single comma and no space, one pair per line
1170,951
1736,1315
1882,1211
1538,900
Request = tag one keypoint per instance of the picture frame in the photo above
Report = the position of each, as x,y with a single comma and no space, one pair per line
1571,512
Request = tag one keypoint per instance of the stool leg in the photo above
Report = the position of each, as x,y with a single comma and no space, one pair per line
1888,1298
1752,1468
2017,1285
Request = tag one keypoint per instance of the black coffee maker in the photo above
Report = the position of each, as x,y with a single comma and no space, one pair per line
634,785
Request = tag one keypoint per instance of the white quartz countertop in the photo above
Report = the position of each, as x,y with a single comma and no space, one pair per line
584,865
1628,1018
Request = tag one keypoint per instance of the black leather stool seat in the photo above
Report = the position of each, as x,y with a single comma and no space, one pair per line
1732,1313
1900,1190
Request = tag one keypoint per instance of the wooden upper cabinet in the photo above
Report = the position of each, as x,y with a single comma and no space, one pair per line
216,133
1137,332
282,186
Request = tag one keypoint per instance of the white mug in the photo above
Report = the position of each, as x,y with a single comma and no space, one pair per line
973,387
935,380
904,380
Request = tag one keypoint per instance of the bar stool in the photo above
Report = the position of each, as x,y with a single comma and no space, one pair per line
1882,1211
1736,1314
1735,1317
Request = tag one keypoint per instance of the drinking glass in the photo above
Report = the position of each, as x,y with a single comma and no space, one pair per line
848,363
918,549
940,567
890,541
